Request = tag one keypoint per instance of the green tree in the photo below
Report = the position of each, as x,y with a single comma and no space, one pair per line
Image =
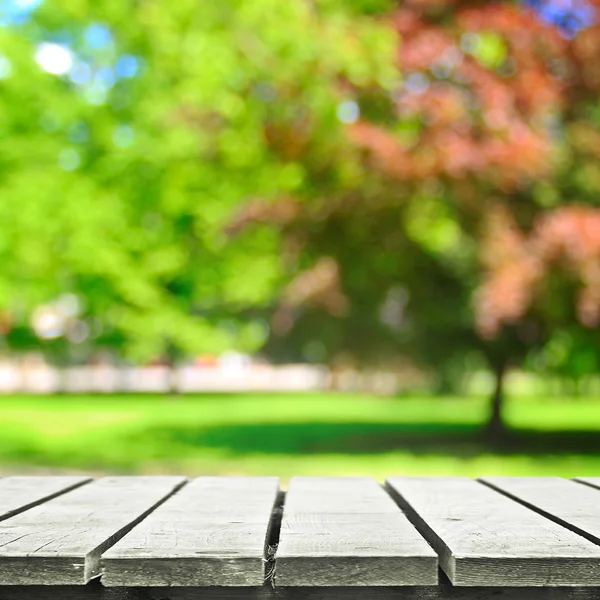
130,134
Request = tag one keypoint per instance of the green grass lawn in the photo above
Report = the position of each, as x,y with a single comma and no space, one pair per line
319,434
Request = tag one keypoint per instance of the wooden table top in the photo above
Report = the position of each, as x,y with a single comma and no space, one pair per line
325,538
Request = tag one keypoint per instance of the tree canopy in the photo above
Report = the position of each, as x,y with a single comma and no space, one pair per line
131,133
326,180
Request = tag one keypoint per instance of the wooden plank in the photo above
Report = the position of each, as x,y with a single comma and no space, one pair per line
438,592
213,532
265,592
20,493
574,506
347,531
60,541
92,591
486,539
448,592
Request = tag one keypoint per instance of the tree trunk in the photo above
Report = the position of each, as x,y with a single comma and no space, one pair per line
170,361
496,426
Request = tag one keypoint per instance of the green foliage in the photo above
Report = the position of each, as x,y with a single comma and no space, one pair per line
118,176
121,172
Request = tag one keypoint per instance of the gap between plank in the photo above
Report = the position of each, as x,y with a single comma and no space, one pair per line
420,525
272,540
111,541
413,517
39,501
427,533
594,486
540,511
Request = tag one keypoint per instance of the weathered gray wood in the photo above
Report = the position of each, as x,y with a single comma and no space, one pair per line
92,591
591,481
486,539
575,506
209,593
213,532
20,493
448,592
443,592
60,541
347,531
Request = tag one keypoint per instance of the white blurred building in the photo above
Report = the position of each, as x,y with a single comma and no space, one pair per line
231,373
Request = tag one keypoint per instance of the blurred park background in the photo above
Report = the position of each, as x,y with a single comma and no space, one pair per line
300,236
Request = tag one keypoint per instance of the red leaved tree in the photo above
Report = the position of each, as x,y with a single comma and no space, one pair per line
479,168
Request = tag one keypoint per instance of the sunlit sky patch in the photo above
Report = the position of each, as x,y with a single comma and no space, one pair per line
570,16
126,66
90,61
54,58
15,12
97,36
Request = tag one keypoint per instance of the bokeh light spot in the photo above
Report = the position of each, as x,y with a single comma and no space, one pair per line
126,66
54,58
5,67
81,73
123,136
69,159
348,111
97,36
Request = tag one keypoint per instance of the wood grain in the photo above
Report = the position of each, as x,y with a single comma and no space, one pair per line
347,531
20,493
212,532
60,541
486,539
575,506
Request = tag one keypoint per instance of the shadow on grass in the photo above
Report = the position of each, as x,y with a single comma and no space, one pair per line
372,438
